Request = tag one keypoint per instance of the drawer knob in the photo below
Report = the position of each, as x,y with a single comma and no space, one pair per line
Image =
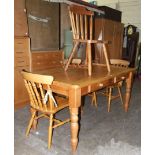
101,85
123,78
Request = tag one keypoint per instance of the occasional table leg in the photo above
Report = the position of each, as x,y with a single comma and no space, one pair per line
128,91
74,128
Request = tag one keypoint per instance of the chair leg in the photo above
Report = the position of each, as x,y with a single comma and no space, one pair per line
71,55
82,104
86,56
50,131
109,98
120,94
106,57
30,123
89,57
94,99
82,107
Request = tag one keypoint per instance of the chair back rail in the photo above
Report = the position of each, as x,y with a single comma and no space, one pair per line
119,63
34,84
81,20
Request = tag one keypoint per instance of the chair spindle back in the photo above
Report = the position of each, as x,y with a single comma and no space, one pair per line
81,22
119,63
38,87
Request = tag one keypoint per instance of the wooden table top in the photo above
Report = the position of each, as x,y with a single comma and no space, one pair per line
79,76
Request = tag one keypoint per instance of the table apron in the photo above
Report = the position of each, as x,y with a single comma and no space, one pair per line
99,85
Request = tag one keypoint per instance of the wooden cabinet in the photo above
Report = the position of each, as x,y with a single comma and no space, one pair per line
21,61
113,32
20,18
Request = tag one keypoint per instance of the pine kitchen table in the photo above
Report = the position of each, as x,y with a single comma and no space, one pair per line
75,83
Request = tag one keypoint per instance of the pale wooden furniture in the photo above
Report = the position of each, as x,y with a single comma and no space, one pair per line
21,61
117,63
43,101
93,98
82,27
109,89
76,83
76,61
112,31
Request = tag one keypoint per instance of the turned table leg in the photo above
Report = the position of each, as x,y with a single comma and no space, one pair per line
128,91
74,103
74,128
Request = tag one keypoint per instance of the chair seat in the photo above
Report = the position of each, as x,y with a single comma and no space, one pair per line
62,103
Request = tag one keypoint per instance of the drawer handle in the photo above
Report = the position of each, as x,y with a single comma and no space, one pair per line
20,61
123,78
19,43
101,85
89,88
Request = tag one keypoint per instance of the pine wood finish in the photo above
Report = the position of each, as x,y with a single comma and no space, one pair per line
76,83
42,100
118,85
93,98
117,63
21,61
82,27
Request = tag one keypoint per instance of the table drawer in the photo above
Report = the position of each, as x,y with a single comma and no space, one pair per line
96,86
118,79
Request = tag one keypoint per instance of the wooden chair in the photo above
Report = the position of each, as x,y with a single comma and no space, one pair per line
43,101
109,89
82,27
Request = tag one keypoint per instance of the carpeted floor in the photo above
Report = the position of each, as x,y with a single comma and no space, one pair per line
101,133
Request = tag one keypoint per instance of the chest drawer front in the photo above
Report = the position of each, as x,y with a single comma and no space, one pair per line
22,45
44,60
21,62
21,55
22,52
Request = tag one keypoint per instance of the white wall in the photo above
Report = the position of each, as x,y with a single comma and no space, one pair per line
131,10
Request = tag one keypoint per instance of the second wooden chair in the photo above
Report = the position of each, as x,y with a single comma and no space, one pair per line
43,101
109,89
